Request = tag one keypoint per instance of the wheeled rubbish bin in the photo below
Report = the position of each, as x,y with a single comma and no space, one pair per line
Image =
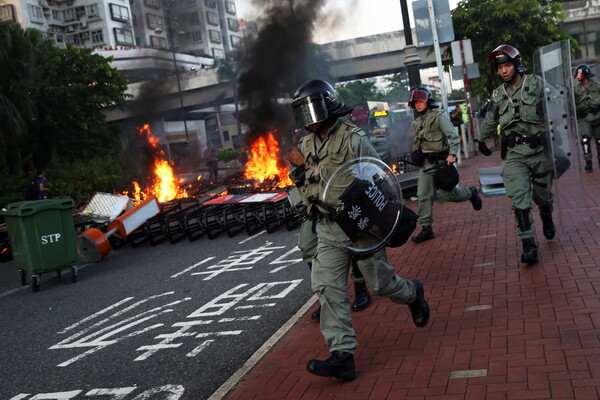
42,237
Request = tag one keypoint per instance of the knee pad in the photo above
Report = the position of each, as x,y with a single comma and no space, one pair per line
597,141
585,140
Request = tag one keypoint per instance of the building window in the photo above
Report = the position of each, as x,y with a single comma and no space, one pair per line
57,15
7,13
196,36
230,7
155,21
193,18
218,53
119,13
212,18
123,36
158,42
152,3
210,3
233,24
97,37
235,41
69,15
92,11
36,12
215,36
226,136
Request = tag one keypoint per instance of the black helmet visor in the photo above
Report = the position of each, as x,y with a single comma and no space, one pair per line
309,110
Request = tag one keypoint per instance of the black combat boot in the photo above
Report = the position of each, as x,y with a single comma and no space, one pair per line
419,308
475,199
548,224
362,298
426,234
588,166
316,315
530,251
339,365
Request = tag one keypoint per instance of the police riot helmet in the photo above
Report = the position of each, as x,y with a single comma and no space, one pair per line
314,101
422,94
583,71
506,53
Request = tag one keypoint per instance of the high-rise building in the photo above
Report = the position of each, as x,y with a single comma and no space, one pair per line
197,27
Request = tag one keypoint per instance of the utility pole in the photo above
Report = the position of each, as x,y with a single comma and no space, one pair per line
411,58
172,45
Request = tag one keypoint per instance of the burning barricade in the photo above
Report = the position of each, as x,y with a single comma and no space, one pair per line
169,209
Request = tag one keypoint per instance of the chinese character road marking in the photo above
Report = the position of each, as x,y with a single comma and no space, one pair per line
239,261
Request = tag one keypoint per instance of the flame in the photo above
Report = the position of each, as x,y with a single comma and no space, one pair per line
165,186
264,164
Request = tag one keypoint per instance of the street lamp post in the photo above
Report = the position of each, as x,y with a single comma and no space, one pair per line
168,16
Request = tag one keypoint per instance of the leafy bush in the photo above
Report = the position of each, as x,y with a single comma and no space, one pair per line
229,155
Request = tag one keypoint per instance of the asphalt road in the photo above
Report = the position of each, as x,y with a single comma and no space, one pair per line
173,321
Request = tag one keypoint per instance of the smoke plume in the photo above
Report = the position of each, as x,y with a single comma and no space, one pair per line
277,61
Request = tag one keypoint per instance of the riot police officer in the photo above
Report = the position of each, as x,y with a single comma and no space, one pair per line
517,106
331,143
436,143
587,104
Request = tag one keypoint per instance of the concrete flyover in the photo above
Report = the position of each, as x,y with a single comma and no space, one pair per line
356,58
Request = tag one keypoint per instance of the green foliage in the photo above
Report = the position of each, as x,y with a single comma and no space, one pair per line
357,91
524,24
15,181
51,102
457,94
229,155
80,179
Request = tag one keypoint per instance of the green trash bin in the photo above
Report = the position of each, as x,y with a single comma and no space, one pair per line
42,237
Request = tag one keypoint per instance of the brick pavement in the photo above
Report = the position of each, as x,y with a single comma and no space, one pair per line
498,329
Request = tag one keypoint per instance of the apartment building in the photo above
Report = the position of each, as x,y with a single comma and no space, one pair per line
207,28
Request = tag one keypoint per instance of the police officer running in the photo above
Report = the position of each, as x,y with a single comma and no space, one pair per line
333,142
436,143
517,105
587,105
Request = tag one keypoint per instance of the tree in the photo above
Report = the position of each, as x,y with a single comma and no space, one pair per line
457,94
525,24
358,91
51,103
17,107
399,87
227,71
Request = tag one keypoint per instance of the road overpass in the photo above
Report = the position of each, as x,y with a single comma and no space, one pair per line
356,58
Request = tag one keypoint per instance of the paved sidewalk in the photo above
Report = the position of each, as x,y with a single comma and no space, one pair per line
499,329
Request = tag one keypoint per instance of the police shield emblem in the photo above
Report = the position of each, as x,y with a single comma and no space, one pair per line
367,201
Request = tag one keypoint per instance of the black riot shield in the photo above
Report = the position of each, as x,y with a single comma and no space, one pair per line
366,203
553,64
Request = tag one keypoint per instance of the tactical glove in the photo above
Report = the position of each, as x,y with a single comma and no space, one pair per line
483,149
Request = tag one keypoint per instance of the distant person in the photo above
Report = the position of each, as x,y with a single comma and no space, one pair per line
587,105
212,162
437,143
41,187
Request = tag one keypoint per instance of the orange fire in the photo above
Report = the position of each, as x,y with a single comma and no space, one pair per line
264,164
165,186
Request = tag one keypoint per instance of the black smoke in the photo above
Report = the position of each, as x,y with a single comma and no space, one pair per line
277,61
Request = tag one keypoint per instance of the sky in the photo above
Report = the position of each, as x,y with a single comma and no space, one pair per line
360,17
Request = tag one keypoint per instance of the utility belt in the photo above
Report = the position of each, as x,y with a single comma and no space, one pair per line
435,157
513,139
